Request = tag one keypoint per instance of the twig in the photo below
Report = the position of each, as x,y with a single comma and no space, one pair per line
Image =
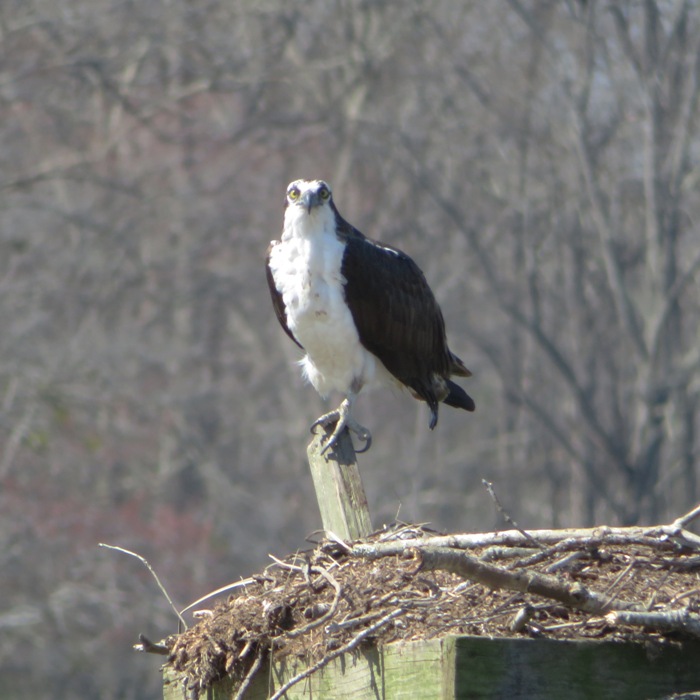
523,616
153,573
506,516
338,540
245,683
246,649
223,589
681,522
685,594
563,546
335,627
618,579
564,562
352,644
285,565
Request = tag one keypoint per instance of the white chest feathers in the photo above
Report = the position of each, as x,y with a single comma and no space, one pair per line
306,267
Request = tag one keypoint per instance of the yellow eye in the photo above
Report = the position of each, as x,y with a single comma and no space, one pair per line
293,193
324,192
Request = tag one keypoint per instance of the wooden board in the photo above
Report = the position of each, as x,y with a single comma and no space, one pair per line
522,668
485,669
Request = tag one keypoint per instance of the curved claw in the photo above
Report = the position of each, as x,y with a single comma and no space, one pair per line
342,418
366,437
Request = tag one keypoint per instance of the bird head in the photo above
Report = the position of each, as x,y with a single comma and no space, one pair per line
309,194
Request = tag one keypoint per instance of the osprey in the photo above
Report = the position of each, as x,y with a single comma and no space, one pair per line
361,310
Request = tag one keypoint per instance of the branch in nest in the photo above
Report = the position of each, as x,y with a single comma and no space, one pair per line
224,589
686,519
146,645
659,537
574,595
250,675
153,573
681,621
507,517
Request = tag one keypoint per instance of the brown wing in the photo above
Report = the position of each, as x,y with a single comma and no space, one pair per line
277,302
396,314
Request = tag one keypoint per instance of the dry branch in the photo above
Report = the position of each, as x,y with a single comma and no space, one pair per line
685,520
149,647
144,561
681,621
245,683
660,536
224,589
506,516
573,595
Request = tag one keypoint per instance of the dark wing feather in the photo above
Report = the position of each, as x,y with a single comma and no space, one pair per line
277,301
396,314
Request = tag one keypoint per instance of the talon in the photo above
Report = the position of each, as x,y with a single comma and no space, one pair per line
342,419
330,441
366,437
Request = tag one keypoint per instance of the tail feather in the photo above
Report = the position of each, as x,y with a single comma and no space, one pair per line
457,367
458,398
453,394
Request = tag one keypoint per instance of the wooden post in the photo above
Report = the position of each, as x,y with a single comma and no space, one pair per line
339,491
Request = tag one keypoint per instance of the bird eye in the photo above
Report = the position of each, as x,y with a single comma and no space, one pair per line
293,193
325,193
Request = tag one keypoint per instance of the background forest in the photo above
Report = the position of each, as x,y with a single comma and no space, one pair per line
537,158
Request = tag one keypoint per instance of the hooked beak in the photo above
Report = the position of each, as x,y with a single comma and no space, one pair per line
310,200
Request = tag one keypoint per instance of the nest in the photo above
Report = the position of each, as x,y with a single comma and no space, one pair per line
408,583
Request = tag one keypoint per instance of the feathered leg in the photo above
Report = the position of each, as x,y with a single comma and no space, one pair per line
342,418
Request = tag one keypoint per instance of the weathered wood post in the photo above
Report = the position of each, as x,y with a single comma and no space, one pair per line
339,491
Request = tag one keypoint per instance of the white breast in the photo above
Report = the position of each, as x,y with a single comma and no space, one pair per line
306,266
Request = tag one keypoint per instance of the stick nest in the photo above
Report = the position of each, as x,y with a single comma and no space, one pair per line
403,584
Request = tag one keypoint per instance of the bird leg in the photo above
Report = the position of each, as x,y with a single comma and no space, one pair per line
342,418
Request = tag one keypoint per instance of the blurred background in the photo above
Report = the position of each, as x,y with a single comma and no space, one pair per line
537,158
